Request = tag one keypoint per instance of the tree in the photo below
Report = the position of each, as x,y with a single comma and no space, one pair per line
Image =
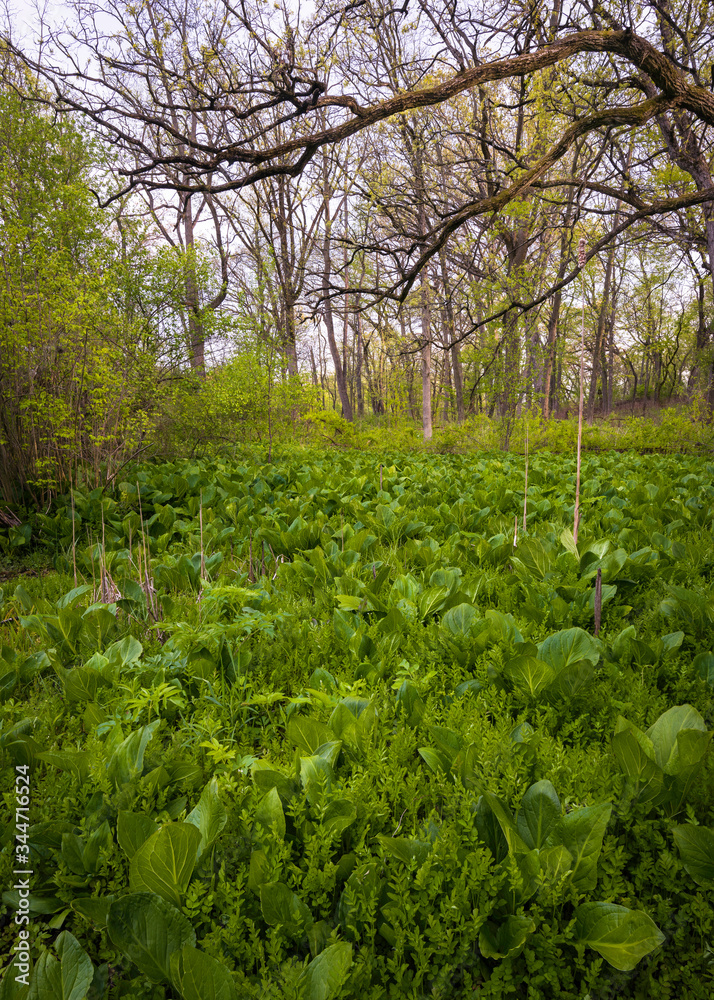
87,341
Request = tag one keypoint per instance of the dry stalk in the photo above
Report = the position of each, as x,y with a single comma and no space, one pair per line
200,524
525,488
74,542
576,513
598,600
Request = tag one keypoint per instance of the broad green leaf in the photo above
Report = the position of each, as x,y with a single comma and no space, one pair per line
670,644
503,626
269,815
165,862
307,734
127,650
505,940
127,761
572,679
10,988
68,978
534,557
82,683
339,814
581,832
568,542
436,760
133,830
316,777
406,850
620,935
324,976
100,840
696,846
209,816
458,620
663,733
76,762
198,976
568,646
529,674
70,625
703,664
148,930
70,599
280,905
347,602
516,844
635,754
555,862
539,813
432,600
410,702
688,752
93,908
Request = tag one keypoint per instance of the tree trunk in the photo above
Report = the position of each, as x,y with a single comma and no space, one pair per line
196,335
425,358
328,314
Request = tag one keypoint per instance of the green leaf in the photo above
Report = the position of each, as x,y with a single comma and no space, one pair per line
324,976
66,979
198,976
127,650
696,845
568,542
529,674
127,761
703,664
410,702
568,646
280,905
93,908
581,832
148,930
70,625
636,755
516,845
539,813
534,557
82,683
339,814
620,935
269,815
165,863
458,620
572,679
10,988
663,734
209,816
505,940
406,850
307,734
316,777
133,830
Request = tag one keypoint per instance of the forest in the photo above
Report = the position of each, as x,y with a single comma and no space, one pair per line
357,500
222,216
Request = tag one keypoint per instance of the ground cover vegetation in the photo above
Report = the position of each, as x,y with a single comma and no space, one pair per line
351,725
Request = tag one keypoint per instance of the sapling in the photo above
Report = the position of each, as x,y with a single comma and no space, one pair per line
576,514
